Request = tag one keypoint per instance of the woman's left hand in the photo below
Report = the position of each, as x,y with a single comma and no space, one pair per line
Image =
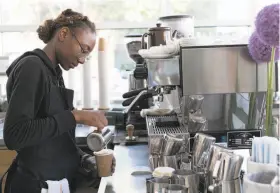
89,163
113,164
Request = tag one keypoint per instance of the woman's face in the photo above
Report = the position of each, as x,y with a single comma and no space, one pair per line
74,47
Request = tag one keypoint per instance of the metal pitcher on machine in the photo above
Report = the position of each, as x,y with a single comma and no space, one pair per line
157,36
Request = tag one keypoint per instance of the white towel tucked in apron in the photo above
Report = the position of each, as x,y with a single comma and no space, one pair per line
61,186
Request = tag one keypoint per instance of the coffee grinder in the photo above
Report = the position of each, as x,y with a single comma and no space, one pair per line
137,79
137,84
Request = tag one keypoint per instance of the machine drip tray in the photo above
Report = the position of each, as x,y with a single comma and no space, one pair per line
167,124
141,138
122,140
160,125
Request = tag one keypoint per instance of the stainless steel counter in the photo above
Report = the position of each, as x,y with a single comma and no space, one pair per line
129,159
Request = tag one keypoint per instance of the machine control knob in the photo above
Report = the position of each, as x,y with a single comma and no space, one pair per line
160,98
140,72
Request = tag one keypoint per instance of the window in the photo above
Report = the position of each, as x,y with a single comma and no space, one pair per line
3,66
259,4
122,10
16,43
215,12
1,44
202,10
212,17
206,12
17,12
120,62
35,11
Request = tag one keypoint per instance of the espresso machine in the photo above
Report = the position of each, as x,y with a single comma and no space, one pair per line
210,88
214,91
133,104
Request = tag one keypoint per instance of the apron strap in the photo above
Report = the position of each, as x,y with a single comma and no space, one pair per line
12,167
28,174
2,179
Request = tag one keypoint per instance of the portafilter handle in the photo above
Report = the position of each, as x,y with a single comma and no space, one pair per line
128,109
132,93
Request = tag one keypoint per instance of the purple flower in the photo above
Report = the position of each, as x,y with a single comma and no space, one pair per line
259,51
267,24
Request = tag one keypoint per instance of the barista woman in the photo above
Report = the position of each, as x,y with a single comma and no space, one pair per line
40,121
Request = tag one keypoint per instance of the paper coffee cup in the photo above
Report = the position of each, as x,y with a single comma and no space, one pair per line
104,160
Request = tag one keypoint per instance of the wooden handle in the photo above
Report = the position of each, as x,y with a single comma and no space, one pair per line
130,130
130,127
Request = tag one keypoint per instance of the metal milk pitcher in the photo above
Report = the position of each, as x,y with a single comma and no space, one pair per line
214,156
157,36
233,186
97,141
201,147
186,178
226,174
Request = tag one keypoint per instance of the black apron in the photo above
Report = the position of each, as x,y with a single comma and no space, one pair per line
19,177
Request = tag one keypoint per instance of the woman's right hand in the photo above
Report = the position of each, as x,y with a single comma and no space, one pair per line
90,118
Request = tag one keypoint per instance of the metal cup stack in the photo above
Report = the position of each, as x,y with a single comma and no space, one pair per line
166,150
167,141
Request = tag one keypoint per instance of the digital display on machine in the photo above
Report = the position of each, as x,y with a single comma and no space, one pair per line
242,139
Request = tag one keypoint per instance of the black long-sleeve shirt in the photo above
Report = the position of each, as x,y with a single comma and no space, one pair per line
26,88
38,124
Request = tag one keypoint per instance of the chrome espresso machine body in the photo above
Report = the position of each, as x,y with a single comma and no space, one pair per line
209,89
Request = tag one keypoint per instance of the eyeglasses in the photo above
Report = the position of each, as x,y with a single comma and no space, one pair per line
84,54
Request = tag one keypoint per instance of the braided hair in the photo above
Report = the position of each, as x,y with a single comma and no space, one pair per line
67,18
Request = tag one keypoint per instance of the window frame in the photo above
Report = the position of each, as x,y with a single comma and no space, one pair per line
123,25
119,25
